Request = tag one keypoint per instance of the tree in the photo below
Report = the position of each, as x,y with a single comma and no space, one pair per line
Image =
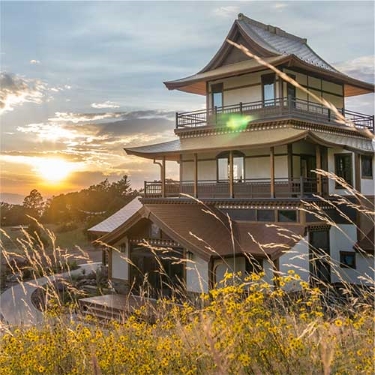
34,204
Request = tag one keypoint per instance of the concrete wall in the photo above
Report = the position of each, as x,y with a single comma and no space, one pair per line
342,238
197,275
296,259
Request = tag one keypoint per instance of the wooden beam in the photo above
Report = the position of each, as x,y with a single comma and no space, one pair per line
196,175
272,170
357,172
231,174
290,163
318,156
162,177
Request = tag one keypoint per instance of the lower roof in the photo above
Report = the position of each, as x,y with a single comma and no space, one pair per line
208,233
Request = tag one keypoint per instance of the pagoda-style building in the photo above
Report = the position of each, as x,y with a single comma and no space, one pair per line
253,192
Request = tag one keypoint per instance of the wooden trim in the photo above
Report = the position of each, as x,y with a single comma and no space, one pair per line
290,161
357,172
181,174
272,170
231,189
163,178
196,175
318,163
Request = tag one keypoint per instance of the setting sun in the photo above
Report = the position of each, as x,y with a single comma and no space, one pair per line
54,170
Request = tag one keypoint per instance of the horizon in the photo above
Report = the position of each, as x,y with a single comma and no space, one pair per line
87,80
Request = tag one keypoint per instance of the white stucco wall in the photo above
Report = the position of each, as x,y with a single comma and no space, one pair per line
197,275
119,264
207,170
342,238
296,259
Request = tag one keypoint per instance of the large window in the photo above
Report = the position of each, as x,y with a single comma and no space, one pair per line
366,166
343,168
268,89
217,95
223,167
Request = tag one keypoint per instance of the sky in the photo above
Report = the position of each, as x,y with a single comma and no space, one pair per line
82,80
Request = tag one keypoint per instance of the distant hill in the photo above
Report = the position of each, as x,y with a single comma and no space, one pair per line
11,198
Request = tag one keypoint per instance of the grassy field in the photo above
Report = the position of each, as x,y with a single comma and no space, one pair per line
66,240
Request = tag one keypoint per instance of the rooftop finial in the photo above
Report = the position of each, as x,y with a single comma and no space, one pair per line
240,16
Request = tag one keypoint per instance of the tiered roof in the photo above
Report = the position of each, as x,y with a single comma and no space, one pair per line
276,47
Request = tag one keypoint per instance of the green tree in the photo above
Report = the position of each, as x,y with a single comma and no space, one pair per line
34,204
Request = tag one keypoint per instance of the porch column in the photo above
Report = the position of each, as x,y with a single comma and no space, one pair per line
196,175
231,174
181,174
318,156
290,168
272,170
162,177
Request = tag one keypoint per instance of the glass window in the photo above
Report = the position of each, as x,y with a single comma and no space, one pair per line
154,231
287,216
253,265
223,169
217,95
238,171
268,87
347,259
266,215
366,166
343,168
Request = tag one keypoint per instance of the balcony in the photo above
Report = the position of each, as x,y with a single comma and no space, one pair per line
272,109
249,188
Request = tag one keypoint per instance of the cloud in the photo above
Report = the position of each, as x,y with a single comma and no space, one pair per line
361,68
227,12
35,62
84,117
16,90
106,104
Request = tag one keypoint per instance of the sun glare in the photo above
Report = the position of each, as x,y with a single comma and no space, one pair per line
53,170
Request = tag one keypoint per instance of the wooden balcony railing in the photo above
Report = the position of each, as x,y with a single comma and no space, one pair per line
277,108
249,188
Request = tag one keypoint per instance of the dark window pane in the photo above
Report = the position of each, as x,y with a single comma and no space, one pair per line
287,216
366,162
266,215
347,259
240,215
343,168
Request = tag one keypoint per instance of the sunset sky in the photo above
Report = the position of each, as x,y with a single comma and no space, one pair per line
82,80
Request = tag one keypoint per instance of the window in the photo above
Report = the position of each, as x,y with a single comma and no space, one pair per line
223,167
343,168
123,248
217,95
366,166
347,259
265,215
154,231
268,89
253,265
287,216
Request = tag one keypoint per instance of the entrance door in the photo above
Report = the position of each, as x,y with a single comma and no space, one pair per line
320,269
158,273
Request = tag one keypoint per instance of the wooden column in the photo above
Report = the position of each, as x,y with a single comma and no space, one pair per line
196,175
318,156
162,177
357,172
231,174
272,170
181,174
290,163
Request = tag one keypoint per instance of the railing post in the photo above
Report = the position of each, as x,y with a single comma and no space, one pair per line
301,179
145,194
215,115
329,115
176,120
241,108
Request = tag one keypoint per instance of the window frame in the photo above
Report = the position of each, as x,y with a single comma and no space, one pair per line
343,263
217,88
268,79
336,161
371,175
225,156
